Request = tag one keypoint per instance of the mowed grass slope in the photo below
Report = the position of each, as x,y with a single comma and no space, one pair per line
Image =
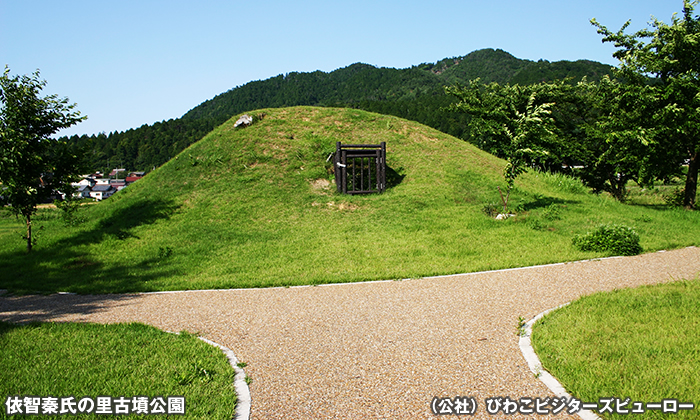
254,207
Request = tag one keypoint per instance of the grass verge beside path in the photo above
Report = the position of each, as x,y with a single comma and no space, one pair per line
116,360
641,343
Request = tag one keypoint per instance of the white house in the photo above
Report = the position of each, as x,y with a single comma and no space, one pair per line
102,191
86,181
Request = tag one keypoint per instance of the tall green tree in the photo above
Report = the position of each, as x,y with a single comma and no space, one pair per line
666,58
495,113
599,127
615,138
33,166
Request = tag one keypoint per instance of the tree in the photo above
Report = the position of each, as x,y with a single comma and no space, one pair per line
666,59
512,121
616,139
526,140
33,166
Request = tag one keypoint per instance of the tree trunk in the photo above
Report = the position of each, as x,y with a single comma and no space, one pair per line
691,182
618,187
29,233
504,201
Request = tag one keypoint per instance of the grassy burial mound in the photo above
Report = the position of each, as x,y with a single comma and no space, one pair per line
257,206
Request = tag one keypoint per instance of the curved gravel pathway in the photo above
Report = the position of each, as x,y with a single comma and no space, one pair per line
377,349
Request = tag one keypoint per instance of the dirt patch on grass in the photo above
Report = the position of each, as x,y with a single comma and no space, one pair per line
320,185
343,206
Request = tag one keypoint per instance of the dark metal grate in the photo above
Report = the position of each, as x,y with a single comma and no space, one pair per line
360,168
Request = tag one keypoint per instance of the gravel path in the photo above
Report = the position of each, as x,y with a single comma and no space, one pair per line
378,349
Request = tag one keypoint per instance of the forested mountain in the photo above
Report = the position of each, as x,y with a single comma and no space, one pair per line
415,93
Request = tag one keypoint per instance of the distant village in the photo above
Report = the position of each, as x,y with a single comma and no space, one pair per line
99,187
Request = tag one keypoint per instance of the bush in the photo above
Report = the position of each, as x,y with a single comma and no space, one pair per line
614,239
565,183
491,209
552,212
675,197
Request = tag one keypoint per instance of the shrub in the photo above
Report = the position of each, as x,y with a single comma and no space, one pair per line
675,197
565,183
551,212
69,211
490,209
614,239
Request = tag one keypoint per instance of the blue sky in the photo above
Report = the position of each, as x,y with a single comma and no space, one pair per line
128,63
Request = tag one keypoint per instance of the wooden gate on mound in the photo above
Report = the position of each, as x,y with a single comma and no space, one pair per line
360,168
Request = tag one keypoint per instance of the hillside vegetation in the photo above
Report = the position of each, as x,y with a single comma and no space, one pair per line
257,207
415,93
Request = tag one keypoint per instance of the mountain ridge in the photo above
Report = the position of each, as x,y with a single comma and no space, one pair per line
490,65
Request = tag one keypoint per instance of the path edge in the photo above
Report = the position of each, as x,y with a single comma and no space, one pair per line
536,367
243,403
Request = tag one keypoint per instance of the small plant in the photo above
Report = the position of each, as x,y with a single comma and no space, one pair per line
536,224
69,211
490,209
194,373
164,252
529,129
611,238
521,326
551,212
241,364
644,218
214,160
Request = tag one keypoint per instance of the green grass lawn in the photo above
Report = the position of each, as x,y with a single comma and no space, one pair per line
248,208
118,360
641,343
